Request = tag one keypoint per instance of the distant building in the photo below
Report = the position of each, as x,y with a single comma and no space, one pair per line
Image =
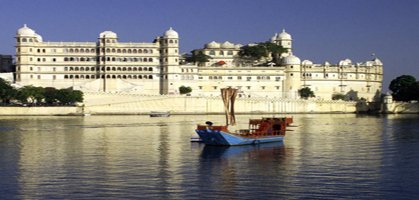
6,63
153,68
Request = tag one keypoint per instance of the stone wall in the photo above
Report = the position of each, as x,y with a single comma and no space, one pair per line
12,110
401,107
120,103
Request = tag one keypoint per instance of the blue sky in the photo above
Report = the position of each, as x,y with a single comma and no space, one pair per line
322,30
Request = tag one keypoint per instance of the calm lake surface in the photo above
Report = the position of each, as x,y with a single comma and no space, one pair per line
340,156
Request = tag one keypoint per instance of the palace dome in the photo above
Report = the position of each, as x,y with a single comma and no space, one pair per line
291,60
377,61
212,45
345,62
25,31
306,62
227,45
284,36
38,37
171,33
238,46
273,38
108,34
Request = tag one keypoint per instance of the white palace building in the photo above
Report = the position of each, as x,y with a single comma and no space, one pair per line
107,65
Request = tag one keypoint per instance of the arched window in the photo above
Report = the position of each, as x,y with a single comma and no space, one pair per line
129,69
108,76
171,41
108,50
140,51
151,51
140,77
124,51
71,69
87,77
212,52
71,50
119,69
81,76
129,51
118,51
108,68
113,58
145,76
65,59
24,40
76,76
65,76
81,50
108,59
134,69
113,68
134,76
76,68
124,77
119,76
92,50
150,69
103,76
134,51
87,51
76,50
145,51
71,76
150,76
150,59
140,69
113,76
129,77
82,59
124,69
113,50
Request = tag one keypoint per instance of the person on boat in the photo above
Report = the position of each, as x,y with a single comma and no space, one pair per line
209,125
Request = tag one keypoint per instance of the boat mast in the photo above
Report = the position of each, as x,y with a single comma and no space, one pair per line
229,96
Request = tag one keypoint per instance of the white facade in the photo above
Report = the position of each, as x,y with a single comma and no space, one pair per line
153,68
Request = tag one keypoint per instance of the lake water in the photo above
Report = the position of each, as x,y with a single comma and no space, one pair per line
340,156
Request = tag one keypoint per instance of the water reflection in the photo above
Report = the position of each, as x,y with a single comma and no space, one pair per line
327,156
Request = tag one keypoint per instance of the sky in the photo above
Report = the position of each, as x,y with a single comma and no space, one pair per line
322,30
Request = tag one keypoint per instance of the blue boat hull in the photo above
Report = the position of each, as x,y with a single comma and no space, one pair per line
221,138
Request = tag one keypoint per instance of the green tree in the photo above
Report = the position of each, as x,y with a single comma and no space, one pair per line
30,94
404,88
252,53
305,93
185,90
7,92
50,95
69,96
198,57
338,96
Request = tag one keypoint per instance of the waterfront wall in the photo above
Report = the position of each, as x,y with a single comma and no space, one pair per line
58,110
120,103
400,107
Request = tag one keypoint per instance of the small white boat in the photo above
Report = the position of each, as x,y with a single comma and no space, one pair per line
159,114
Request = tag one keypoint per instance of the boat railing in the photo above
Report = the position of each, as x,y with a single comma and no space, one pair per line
214,128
